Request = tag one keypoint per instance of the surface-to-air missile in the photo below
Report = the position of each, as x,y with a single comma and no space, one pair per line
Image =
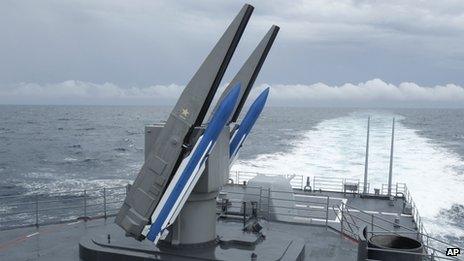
190,170
174,140
240,134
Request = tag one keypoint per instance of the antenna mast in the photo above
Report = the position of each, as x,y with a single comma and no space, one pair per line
390,172
365,189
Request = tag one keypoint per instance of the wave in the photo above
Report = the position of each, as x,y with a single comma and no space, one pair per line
86,129
71,184
130,133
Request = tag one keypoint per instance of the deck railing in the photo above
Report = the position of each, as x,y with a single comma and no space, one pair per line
41,209
49,208
353,220
324,183
277,205
67,206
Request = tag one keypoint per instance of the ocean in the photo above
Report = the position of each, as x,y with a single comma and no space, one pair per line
45,149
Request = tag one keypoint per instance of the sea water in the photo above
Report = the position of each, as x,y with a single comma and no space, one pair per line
46,149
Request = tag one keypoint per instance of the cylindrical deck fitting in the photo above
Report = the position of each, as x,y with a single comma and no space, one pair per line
196,223
394,248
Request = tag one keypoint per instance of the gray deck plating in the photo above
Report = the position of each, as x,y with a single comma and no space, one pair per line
60,242
280,246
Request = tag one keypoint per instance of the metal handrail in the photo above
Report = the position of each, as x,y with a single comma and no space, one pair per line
67,193
426,243
322,183
88,196
298,208
336,184
378,217
92,199
276,207
50,209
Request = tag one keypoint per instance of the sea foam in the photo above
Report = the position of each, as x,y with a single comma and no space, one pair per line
336,147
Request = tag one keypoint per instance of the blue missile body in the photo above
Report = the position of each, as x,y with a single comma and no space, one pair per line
190,170
247,123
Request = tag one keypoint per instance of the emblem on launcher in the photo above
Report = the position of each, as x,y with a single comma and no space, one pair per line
184,113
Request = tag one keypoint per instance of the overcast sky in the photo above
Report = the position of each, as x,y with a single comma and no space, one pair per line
145,51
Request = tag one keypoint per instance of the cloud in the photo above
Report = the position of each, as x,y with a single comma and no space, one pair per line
78,92
143,41
370,93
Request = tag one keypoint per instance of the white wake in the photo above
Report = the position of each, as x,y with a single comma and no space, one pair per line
336,147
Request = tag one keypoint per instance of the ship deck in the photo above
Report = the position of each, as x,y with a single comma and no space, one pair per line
60,241
376,212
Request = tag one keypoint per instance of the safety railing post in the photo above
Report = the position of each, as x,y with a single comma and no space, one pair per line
244,213
37,210
327,213
104,202
420,230
341,220
85,205
269,204
372,222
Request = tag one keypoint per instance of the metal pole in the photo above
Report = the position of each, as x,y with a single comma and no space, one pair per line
390,172
244,213
372,222
85,205
37,210
269,204
327,213
254,209
343,186
341,219
127,189
104,201
366,163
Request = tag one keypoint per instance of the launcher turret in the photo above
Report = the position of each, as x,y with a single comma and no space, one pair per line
169,148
